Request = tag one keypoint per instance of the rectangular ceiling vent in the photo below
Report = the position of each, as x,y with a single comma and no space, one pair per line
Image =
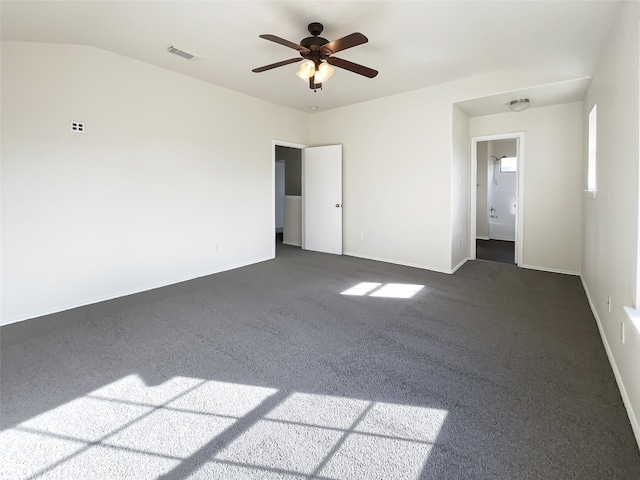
184,53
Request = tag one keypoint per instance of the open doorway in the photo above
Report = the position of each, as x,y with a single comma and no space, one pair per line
496,197
287,194
312,198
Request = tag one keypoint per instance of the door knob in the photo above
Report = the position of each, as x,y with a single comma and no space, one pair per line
337,205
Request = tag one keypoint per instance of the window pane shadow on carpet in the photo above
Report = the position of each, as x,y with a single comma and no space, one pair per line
319,366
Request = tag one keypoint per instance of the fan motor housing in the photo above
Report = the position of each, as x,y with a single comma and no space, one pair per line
315,29
310,42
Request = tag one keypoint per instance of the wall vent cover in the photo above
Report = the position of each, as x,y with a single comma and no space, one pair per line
184,53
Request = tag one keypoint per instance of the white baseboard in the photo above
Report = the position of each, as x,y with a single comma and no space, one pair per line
90,301
551,270
481,237
459,265
633,419
292,244
404,264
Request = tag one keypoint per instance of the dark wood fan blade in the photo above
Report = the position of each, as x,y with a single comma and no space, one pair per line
352,67
343,43
276,65
284,42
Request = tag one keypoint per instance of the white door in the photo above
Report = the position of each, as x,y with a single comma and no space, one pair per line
322,197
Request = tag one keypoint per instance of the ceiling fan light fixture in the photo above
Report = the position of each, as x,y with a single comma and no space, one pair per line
318,65
324,73
519,105
307,69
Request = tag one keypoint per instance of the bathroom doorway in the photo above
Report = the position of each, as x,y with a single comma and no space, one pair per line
496,193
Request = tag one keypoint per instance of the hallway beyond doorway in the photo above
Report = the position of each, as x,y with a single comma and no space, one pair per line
496,250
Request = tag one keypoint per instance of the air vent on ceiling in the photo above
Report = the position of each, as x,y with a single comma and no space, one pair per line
184,53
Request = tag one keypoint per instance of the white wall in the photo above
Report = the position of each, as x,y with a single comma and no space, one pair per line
482,183
460,188
164,172
139,200
292,232
552,181
610,235
397,169
396,177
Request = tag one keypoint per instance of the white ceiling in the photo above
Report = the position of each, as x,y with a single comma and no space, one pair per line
413,44
539,96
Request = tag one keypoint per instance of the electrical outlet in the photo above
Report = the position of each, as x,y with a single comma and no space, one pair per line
622,331
609,303
77,127
217,248
360,236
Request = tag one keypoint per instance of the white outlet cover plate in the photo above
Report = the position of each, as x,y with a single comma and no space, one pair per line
77,127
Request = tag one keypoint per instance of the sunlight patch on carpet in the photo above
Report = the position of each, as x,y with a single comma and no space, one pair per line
388,290
128,427
361,289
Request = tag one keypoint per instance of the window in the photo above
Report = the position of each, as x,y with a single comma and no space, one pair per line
508,164
591,166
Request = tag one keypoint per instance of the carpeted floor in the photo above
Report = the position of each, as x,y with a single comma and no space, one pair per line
319,366
496,251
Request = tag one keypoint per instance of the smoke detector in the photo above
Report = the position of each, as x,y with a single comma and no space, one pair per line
184,53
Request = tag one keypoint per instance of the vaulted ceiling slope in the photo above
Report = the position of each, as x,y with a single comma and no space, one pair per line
413,44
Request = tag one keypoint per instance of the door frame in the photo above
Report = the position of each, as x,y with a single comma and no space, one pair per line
519,244
301,147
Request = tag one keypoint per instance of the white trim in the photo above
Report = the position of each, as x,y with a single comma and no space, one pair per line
634,319
482,237
550,270
637,275
453,270
146,288
473,197
633,419
590,193
404,264
519,136
520,194
281,143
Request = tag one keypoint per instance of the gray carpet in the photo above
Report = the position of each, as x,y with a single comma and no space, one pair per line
496,251
271,371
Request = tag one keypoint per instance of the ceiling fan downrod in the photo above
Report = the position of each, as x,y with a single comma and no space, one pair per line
314,86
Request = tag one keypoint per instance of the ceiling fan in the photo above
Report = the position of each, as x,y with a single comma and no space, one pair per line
317,55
